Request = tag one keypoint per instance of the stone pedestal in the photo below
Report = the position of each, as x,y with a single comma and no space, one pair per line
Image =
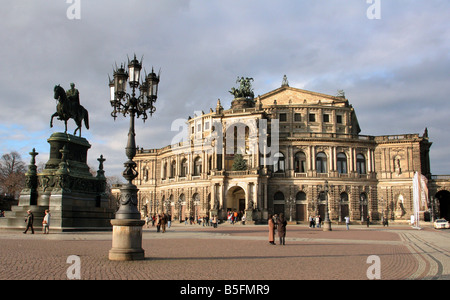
213,212
242,102
127,240
326,226
76,199
249,220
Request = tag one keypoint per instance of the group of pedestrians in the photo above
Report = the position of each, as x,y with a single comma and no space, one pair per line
163,221
233,217
45,222
277,224
160,220
200,220
315,221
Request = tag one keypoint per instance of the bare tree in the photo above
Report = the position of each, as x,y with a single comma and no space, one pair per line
12,174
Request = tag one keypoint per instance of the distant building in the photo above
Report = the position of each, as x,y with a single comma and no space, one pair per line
320,152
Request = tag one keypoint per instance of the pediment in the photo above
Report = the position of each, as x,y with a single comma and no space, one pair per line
286,95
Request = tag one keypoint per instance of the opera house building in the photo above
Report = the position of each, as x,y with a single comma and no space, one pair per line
288,151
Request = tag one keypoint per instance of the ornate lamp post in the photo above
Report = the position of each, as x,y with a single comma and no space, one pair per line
127,226
291,202
326,222
432,199
179,209
363,202
166,206
196,206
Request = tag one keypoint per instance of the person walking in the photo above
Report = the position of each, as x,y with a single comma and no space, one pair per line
158,223
347,221
385,221
271,230
169,220
318,221
163,222
29,220
147,221
282,229
46,222
368,220
214,221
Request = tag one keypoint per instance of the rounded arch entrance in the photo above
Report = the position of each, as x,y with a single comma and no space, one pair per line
443,202
235,199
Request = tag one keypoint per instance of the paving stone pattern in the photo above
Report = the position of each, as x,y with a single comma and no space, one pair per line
233,252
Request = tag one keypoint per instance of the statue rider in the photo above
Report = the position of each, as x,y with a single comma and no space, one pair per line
73,94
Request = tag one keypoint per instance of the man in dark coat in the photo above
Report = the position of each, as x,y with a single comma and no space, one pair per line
282,229
29,220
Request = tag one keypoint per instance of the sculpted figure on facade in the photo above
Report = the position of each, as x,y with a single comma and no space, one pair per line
245,89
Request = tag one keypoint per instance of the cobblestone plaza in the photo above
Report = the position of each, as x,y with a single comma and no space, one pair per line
234,252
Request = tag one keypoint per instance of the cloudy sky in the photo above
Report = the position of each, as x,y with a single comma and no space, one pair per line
394,69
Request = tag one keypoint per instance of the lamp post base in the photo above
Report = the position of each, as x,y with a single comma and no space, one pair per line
127,240
327,226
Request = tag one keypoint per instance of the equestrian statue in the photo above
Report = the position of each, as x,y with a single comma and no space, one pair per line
69,107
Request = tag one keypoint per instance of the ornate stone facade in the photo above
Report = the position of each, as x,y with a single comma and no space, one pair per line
320,153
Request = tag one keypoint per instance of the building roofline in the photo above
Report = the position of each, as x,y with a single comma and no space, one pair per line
283,88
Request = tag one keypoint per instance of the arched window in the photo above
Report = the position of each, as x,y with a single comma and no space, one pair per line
300,162
360,164
210,164
278,196
173,169
301,196
278,164
397,164
322,196
237,138
198,166
164,171
343,206
182,199
344,197
184,168
342,163
278,203
321,162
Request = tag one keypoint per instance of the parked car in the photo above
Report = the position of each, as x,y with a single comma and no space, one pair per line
441,223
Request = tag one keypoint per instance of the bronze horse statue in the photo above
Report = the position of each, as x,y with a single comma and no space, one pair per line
68,109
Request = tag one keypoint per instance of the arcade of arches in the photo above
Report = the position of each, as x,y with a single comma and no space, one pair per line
308,202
